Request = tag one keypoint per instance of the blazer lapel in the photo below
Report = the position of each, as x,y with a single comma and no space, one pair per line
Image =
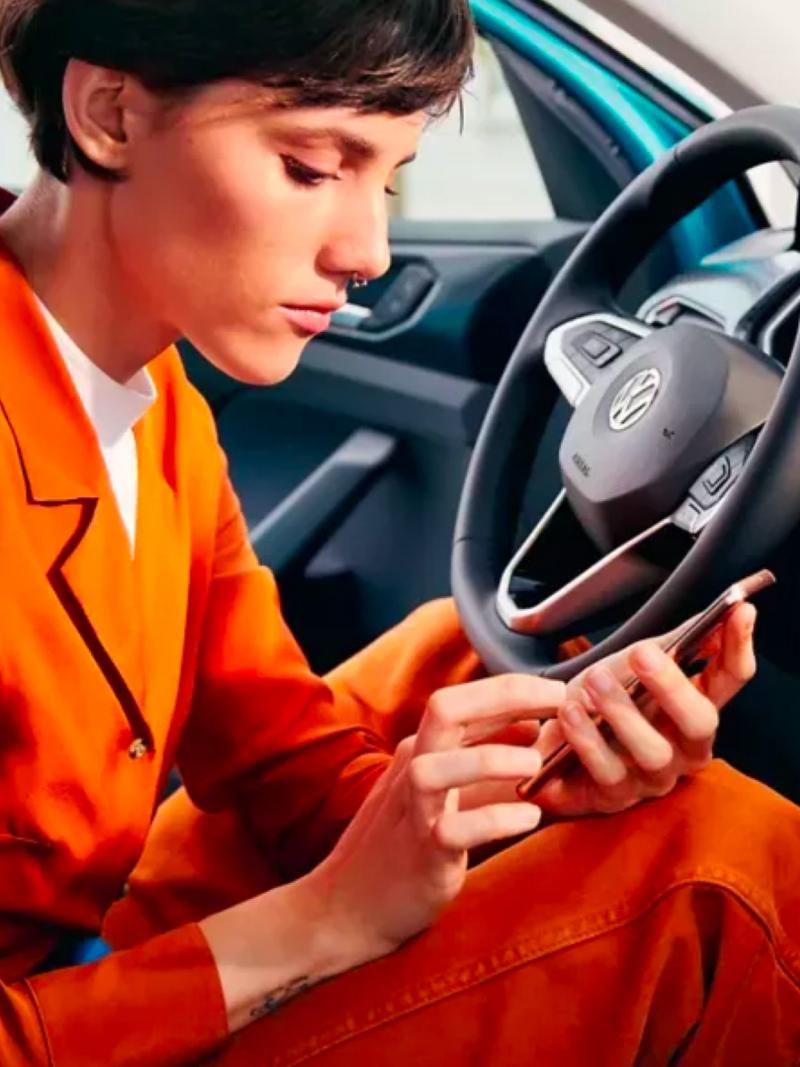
75,525
162,564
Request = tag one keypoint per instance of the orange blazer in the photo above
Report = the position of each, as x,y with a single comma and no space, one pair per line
112,670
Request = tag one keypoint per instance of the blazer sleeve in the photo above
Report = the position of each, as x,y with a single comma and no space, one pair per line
157,1005
264,732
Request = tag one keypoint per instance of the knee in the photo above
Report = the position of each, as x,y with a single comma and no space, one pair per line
723,817
718,829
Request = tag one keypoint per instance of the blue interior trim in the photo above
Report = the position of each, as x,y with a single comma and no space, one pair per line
642,129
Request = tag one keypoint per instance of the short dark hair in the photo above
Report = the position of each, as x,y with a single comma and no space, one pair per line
397,56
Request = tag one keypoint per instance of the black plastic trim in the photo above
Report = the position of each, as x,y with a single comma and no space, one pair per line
294,532
398,397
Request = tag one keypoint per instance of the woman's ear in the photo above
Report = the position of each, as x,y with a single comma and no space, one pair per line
94,110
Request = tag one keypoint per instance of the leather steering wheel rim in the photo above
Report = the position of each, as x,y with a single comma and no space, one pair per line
760,510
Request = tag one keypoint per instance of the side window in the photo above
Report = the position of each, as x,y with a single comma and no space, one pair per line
16,160
485,171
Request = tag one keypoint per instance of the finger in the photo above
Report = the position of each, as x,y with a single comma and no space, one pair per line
465,830
384,796
580,795
738,656
619,662
605,766
550,739
736,664
693,715
521,734
648,749
437,772
467,713
485,793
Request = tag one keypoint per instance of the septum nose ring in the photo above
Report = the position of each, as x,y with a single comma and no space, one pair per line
358,282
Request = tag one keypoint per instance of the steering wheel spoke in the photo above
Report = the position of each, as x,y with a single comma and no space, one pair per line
579,352
555,584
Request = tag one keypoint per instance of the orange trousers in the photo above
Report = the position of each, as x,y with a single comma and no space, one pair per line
668,935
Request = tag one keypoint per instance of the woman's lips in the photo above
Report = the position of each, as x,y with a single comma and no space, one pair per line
308,320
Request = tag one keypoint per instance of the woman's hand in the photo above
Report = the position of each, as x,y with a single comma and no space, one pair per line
647,758
452,787
404,856
652,751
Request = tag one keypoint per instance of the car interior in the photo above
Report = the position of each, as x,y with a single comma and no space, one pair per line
452,432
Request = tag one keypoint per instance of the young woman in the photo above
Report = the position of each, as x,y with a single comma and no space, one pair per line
218,169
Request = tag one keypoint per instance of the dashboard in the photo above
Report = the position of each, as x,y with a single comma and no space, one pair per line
750,290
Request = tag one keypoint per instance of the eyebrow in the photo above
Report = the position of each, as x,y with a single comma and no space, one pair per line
349,144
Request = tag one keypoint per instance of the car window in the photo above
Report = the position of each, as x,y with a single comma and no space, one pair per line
482,169
16,160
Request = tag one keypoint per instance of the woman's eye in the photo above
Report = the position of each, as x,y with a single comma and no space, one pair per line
303,175
392,192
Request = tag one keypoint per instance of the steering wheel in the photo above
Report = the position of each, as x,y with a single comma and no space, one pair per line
681,461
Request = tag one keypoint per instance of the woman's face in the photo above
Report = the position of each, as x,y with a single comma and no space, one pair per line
240,222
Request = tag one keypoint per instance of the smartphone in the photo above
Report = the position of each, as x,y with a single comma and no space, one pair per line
686,649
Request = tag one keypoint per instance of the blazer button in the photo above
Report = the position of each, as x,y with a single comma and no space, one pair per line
138,749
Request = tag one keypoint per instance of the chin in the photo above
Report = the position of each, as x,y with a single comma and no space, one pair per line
267,362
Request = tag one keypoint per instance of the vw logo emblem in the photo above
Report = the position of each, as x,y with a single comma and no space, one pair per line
634,399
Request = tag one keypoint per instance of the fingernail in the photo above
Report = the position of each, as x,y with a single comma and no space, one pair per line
574,715
647,659
601,681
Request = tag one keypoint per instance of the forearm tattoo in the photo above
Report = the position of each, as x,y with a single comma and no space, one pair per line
278,997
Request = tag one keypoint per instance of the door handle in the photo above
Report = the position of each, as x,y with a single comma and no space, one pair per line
350,317
403,298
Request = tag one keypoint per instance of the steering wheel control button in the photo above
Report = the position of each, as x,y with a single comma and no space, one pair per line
597,349
722,475
624,339
718,478
634,399
576,353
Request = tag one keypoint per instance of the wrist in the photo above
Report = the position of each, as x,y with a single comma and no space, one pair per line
346,937
276,946
340,941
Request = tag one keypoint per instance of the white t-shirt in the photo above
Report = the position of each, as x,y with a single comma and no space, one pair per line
113,410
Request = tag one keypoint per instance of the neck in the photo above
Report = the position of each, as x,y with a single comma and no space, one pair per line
62,239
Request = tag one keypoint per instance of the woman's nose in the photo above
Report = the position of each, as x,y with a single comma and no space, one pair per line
361,245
